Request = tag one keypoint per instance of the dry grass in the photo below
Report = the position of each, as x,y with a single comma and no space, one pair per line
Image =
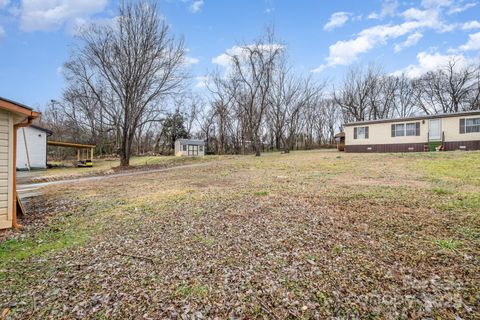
300,235
108,167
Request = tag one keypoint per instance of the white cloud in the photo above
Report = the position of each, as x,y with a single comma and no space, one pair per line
225,59
389,8
459,8
430,62
76,25
337,20
191,61
53,14
473,42
411,40
345,52
436,3
202,82
471,25
196,6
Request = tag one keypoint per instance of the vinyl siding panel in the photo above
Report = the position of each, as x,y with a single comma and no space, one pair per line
6,174
380,135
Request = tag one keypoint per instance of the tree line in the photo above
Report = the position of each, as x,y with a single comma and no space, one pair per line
128,92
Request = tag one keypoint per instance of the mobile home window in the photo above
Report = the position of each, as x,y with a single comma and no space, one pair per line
184,147
201,148
412,129
470,125
406,129
399,130
360,133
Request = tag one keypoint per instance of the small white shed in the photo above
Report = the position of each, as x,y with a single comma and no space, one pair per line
13,115
189,148
32,147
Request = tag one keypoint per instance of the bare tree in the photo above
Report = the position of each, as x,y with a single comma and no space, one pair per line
136,64
452,88
252,75
404,98
354,97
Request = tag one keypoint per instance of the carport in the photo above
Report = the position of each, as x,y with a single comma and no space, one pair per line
84,151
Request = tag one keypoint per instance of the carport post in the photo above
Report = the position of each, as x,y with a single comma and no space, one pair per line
78,154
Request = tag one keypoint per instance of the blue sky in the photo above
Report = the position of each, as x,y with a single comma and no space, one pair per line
322,37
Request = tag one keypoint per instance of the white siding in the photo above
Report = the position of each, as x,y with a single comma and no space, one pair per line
36,145
6,126
451,128
179,152
380,133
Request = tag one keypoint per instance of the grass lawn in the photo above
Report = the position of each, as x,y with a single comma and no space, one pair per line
316,234
109,166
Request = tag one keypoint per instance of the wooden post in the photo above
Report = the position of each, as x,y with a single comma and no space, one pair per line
91,158
78,154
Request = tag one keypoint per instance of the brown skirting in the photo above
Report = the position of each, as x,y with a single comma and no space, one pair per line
412,147
462,145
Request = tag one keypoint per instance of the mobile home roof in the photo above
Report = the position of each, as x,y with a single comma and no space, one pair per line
413,118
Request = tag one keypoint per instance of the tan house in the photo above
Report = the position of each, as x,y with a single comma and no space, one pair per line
13,115
453,131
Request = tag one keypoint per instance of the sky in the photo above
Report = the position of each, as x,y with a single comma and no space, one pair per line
323,38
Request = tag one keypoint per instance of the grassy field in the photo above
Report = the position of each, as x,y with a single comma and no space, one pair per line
107,167
304,235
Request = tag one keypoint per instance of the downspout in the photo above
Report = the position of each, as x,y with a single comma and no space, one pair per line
26,149
14,204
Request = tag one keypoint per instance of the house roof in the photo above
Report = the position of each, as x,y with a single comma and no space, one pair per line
192,142
17,107
413,118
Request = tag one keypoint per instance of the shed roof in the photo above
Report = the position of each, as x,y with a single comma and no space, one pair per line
41,129
192,142
17,107
412,118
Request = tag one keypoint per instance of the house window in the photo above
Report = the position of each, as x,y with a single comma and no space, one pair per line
406,129
184,147
360,133
470,125
412,129
201,148
399,130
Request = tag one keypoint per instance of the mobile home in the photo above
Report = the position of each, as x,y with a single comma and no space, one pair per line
453,131
13,116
